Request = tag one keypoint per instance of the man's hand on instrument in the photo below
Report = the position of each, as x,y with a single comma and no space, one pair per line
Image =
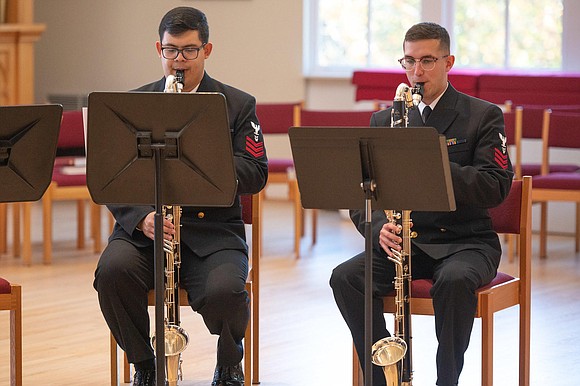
147,226
388,238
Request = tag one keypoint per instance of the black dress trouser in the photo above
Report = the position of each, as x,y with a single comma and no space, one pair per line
455,280
216,290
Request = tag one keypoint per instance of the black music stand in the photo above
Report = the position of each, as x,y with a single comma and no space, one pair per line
28,142
372,168
153,148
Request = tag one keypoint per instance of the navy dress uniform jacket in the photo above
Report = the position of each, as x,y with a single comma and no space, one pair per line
481,174
208,230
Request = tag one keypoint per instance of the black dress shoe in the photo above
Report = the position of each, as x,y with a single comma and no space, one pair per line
228,376
144,378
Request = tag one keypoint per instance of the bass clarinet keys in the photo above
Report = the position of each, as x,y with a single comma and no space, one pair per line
394,353
176,338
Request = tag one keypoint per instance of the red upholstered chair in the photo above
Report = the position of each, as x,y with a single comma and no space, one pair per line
561,130
275,120
251,215
513,216
513,129
69,183
532,126
11,300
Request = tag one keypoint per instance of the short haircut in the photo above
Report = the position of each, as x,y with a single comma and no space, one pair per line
183,19
428,30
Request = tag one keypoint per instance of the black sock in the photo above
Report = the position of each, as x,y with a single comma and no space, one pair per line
147,364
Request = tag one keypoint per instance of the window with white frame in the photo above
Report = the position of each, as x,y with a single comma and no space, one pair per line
342,35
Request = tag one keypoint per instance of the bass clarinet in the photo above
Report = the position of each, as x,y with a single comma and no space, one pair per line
394,353
176,338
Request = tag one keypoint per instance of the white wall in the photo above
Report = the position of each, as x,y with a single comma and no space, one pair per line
109,45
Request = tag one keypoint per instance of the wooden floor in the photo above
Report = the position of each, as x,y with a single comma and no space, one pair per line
304,340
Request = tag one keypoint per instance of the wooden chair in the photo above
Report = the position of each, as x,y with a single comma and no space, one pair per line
21,241
532,123
560,130
513,216
275,120
11,300
251,214
69,183
513,129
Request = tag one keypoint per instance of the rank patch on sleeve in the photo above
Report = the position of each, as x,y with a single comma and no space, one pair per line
256,149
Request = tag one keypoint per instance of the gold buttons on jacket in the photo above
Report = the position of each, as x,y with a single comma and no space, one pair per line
200,215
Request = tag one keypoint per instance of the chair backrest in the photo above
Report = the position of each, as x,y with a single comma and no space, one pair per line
335,118
560,129
277,118
514,216
71,133
513,129
564,129
251,215
533,115
246,202
532,121
506,217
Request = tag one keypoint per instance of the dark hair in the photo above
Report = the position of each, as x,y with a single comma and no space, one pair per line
428,30
183,19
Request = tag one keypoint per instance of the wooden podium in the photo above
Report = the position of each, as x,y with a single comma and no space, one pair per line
18,33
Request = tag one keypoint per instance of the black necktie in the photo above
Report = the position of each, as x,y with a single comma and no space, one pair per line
425,114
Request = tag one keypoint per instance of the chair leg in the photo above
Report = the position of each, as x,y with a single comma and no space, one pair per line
16,338
80,224
47,226
357,375
486,342
248,343
26,233
314,225
525,331
114,362
16,229
126,369
255,331
298,216
543,229
3,228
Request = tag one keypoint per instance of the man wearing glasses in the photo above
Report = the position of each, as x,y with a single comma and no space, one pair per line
458,250
214,254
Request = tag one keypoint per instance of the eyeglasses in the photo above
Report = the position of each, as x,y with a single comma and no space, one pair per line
427,62
188,53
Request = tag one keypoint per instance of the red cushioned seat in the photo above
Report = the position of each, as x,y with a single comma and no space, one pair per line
4,286
568,181
68,179
280,165
421,287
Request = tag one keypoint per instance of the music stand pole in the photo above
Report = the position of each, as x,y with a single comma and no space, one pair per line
368,189
159,264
